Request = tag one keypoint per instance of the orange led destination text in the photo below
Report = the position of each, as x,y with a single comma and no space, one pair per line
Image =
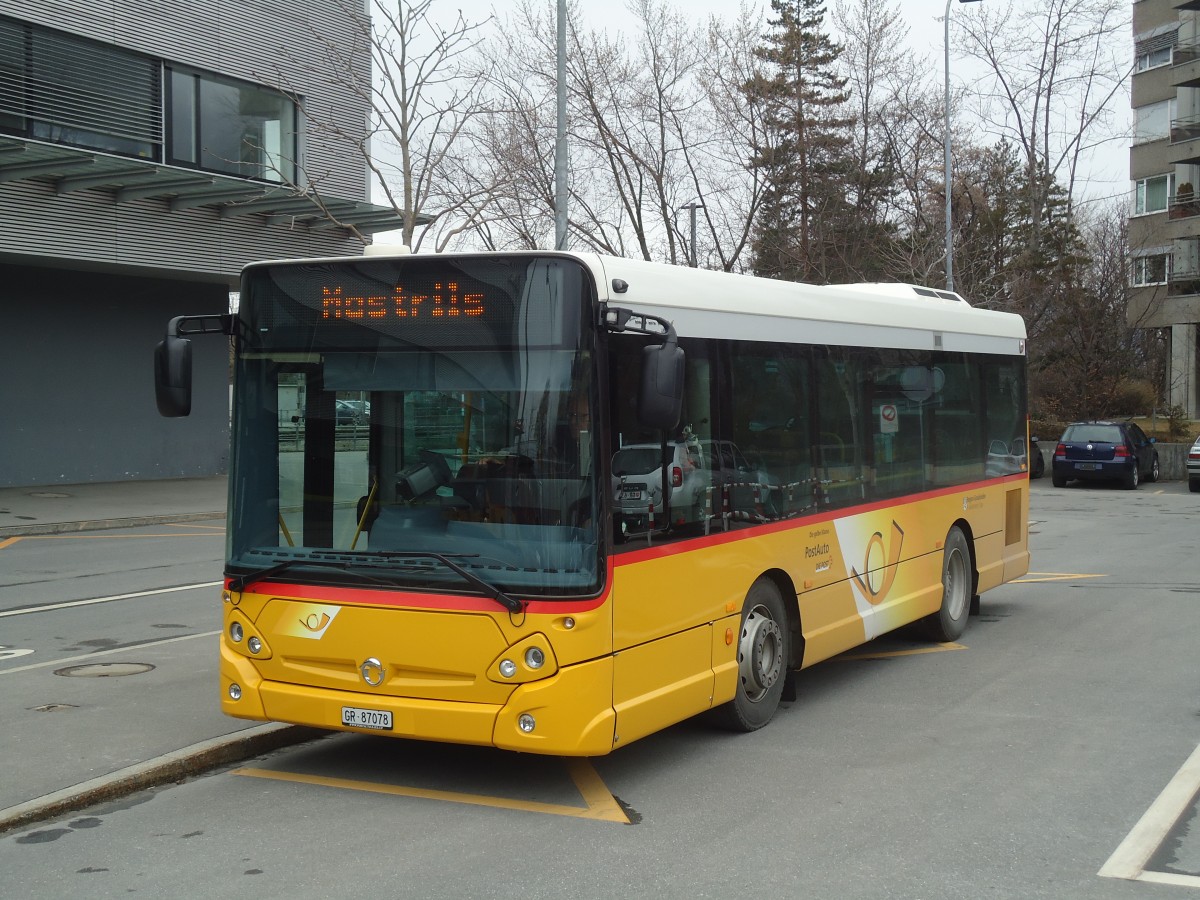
441,302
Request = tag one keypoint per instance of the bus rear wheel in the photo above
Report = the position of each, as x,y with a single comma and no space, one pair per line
763,649
949,622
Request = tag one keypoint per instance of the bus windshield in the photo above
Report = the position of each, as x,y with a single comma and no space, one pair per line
387,409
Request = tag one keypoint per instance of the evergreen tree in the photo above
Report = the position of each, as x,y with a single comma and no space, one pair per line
805,153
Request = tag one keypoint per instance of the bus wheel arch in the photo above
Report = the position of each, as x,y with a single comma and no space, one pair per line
960,581
765,658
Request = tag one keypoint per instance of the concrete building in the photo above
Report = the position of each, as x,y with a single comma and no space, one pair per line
1164,166
145,157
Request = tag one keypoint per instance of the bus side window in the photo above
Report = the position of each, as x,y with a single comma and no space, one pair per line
840,413
768,459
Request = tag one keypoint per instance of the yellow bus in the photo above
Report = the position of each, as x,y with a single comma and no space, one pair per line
555,502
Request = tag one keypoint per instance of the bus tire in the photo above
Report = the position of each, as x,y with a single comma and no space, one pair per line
949,622
763,649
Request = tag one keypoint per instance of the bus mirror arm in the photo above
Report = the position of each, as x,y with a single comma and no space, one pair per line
660,401
173,360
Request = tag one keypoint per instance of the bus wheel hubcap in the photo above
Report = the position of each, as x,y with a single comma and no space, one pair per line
760,653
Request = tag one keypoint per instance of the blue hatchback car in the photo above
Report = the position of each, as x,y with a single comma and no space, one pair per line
1105,451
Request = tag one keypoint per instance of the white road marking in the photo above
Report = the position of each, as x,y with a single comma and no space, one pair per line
133,648
26,610
1129,860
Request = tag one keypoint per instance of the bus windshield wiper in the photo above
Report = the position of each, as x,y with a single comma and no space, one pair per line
241,582
489,590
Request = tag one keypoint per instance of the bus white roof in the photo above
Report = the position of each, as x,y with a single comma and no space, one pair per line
720,304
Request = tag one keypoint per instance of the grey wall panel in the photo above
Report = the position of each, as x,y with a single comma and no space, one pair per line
77,387
91,226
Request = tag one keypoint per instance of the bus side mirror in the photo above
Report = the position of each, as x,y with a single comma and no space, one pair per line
173,376
660,405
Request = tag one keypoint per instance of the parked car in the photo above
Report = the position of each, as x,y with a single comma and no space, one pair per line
752,492
1193,467
353,412
1037,465
637,470
1102,450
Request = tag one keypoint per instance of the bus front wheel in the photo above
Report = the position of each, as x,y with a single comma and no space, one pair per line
949,622
762,653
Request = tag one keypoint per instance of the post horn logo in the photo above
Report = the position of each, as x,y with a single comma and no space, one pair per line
875,594
313,622
372,672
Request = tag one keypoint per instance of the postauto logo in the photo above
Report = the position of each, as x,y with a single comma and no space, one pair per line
871,546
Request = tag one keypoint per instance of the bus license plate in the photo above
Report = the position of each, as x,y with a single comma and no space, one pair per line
631,493
379,719
1088,467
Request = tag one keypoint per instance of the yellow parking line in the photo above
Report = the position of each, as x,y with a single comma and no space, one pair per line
8,542
936,648
601,805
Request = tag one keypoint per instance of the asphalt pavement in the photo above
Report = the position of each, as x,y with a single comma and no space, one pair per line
135,741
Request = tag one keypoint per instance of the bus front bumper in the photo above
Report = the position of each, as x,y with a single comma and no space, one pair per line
568,714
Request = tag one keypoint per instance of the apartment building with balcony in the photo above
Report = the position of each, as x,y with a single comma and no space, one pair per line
147,153
1164,166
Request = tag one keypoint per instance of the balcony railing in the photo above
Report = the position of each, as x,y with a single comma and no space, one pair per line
1183,208
1186,52
1186,128
1183,281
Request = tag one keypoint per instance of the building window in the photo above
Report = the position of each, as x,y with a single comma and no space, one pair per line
1152,59
1153,122
223,125
1152,269
1151,195
65,89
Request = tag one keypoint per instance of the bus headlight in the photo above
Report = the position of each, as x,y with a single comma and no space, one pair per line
530,659
254,645
235,692
235,632
526,723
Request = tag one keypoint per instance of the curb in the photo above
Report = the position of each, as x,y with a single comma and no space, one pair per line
193,760
8,531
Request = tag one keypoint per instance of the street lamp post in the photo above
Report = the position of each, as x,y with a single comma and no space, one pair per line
560,144
949,223
692,207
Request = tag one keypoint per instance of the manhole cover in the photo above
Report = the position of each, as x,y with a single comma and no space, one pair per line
105,670
49,495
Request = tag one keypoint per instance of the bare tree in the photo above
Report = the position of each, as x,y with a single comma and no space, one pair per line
1055,69
411,73
654,124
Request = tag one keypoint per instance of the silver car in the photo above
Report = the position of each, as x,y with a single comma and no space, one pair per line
638,482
